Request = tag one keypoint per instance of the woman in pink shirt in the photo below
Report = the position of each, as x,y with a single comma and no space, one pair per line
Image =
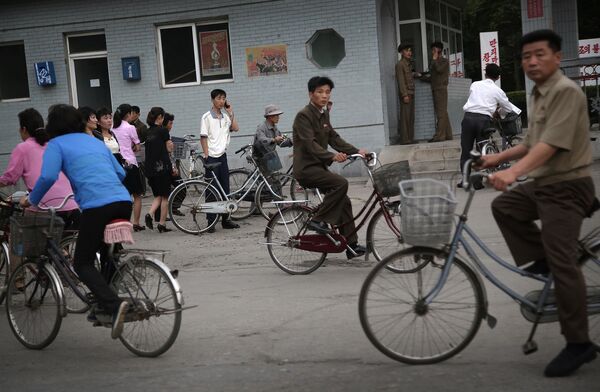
26,162
129,143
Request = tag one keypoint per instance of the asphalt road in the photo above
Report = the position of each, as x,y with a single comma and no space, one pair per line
258,329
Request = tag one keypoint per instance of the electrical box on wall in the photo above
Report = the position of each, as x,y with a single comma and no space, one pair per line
44,73
131,68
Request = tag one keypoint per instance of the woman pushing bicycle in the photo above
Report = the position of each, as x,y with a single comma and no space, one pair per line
96,178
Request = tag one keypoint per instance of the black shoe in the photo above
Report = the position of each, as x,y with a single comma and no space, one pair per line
148,220
229,224
91,317
433,140
137,228
319,227
118,320
358,251
211,229
570,359
459,185
177,212
163,228
539,267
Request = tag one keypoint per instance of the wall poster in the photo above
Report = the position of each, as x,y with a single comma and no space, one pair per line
214,53
267,60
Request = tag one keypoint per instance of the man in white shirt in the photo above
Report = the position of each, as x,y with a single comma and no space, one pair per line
485,98
214,139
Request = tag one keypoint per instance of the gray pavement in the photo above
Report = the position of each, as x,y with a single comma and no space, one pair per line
259,329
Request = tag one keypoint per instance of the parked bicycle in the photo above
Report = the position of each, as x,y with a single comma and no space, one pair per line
295,251
35,301
198,197
509,130
431,308
187,160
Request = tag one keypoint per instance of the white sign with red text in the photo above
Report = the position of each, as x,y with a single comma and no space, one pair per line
457,68
490,52
589,48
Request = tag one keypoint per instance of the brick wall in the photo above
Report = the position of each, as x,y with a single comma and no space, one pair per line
130,31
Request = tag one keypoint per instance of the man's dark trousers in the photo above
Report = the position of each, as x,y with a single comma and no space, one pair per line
335,188
471,129
560,207
222,173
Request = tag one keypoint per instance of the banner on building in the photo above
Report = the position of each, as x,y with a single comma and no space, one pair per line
457,68
535,9
214,53
266,60
488,43
589,48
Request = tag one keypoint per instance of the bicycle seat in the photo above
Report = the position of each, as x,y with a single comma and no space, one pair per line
486,133
118,231
211,166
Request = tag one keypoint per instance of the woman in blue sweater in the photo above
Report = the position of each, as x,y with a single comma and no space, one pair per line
96,178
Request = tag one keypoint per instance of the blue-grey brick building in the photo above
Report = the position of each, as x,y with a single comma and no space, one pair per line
172,54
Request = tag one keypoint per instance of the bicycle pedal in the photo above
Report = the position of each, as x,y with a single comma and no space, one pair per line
175,273
529,347
491,321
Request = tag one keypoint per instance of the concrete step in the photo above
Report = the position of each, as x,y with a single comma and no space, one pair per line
433,165
449,175
421,154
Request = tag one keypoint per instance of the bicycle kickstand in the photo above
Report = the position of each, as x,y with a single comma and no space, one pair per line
530,345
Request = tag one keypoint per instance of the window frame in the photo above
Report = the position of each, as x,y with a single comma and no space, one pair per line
21,99
194,30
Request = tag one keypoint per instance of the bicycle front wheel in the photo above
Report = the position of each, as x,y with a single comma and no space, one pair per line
4,270
398,321
188,209
282,246
32,305
154,318
381,240
280,190
246,207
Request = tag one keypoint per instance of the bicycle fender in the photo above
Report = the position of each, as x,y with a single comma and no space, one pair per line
62,301
167,271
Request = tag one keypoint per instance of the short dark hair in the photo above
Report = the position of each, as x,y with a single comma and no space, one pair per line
492,71
401,47
33,122
86,112
437,44
168,117
153,115
554,40
135,109
318,81
64,119
103,111
216,92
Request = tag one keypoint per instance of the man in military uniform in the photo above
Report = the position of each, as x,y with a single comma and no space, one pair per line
312,134
439,71
556,153
406,92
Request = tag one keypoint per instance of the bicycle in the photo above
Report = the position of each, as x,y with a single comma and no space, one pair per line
197,197
431,309
298,253
510,131
187,160
35,309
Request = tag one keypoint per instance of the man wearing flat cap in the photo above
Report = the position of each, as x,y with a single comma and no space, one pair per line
406,92
267,135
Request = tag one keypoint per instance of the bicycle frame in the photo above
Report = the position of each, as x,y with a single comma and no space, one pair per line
459,239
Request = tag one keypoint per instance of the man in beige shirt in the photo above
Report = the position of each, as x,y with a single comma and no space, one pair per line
556,153
406,92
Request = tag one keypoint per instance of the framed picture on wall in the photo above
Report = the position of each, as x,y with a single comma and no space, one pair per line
215,52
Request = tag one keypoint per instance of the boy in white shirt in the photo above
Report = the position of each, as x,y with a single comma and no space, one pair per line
214,139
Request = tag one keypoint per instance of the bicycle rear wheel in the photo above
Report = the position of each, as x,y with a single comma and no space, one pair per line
73,302
188,199
281,185
4,270
282,246
32,305
402,326
154,318
246,207
590,267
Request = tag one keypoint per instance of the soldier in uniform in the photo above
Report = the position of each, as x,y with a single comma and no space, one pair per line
312,134
406,92
557,154
439,71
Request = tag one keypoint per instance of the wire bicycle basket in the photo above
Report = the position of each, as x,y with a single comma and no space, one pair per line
386,179
427,210
29,233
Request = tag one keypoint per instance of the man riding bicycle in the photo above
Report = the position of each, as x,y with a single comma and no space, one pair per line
556,153
312,134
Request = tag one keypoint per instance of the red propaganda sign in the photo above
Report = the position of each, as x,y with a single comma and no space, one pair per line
535,8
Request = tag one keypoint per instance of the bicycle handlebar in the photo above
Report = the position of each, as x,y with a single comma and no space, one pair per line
188,137
473,180
244,148
370,159
58,207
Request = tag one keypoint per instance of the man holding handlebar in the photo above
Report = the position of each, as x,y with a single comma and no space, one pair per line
312,134
556,153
